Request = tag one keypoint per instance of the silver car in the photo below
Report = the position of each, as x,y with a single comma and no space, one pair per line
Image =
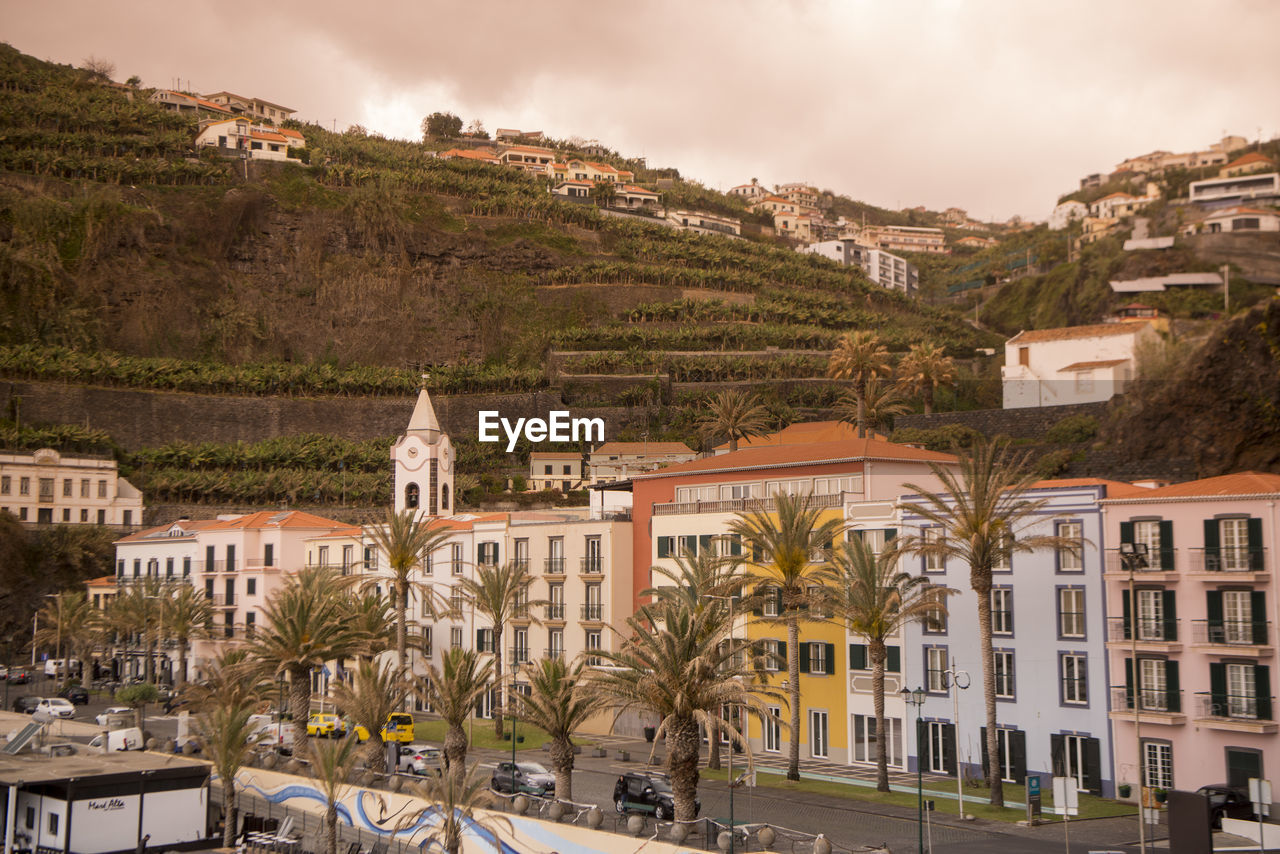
56,707
420,759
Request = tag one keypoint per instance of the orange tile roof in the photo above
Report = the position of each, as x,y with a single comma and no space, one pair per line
102,581
190,526
290,132
1115,488
269,136
1248,483
803,433
643,448
1251,157
1089,366
277,519
784,456
1115,196
1066,333
554,455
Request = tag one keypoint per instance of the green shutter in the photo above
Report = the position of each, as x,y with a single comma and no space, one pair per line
1018,745
1255,545
857,656
830,659
782,655
889,534
1173,689
664,546
804,657
1128,682
1093,765
1262,688
1057,754
777,599
1126,604
949,748
1218,689
986,755
757,607
1126,532
1213,608
894,659
1258,614
704,543
1166,545
1170,614
1212,550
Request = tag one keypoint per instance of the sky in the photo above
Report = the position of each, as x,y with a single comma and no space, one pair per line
994,106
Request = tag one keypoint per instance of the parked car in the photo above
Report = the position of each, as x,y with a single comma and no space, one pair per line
19,676
77,695
57,707
110,712
176,704
399,727
326,725
1226,801
26,705
420,759
4,672
515,777
129,738
648,792
269,731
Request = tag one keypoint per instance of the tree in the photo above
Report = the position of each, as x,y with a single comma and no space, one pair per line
676,664
500,593
867,592
859,356
441,126
233,678
332,762
374,693
453,692
406,539
559,703
136,611
225,739
99,69
784,545
304,625
136,697
605,193
134,81
924,369
882,402
186,614
476,129
68,622
735,414
983,513
456,797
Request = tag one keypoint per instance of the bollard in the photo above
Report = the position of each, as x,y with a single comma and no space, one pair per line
595,818
635,824
767,836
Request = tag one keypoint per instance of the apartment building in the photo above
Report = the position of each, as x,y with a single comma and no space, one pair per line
1192,632
614,461
46,487
905,238
555,470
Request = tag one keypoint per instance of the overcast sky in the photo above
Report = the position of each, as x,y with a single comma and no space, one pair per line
995,107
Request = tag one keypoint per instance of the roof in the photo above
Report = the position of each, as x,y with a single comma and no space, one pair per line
1115,488
1068,333
161,532
803,433
101,581
1089,366
782,456
1240,211
643,448
1248,484
1115,196
270,136
119,769
530,148
554,455
1251,157
276,519
290,132
424,415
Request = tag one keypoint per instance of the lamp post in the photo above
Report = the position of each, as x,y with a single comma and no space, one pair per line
1134,557
916,698
959,679
729,773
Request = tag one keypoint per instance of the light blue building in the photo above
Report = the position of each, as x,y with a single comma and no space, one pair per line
1049,638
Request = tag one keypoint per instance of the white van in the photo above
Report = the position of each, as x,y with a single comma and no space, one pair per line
129,738
269,731
57,667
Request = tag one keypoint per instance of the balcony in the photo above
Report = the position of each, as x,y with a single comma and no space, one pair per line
1157,707
741,505
1240,563
593,613
555,612
1235,712
1163,565
518,655
521,563
592,566
1153,635
209,565
224,600
553,566
555,653
1241,637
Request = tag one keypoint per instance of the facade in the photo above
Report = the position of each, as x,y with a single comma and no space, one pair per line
1066,213
587,170
260,142
1157,162
905,238
46,487
751,192
573,189
480,155
1241,219
705,223
1095,228
1247,164
1075,364
1049,631
1225,192
614,461
1202,618
422,464
537,161
255,108
630,196
181,102
1115,205
883,268
551,470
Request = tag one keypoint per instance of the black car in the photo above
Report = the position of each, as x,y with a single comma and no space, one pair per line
26,705
648,792
176,704
19,676
1227,801
513,778
77,695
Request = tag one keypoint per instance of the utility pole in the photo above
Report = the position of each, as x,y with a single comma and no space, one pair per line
1226,289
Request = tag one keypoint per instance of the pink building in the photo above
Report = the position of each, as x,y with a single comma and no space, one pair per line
1200,621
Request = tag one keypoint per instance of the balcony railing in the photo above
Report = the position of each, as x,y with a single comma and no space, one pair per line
555,612
1229,559
1233,707
263,563
740,505
593,612
1231,632
1164,560
224,600
555,653
592,565
518,654
554,566
209,565
1158,701
1149,631
522,563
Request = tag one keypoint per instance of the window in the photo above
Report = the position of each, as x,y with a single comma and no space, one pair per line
455,638
1068,560
1003,672
1158,764
1074,678
66,487
1153,684
348,557
102,517
593,646
1148,532
773,730
102,489
1238,625
735,491
168,567
455,558
251,586
6,485
455,602
522,553
1084,381
933,562
555,555
487,554
1151,615
322,555
1233,548
484,640
137,567
836,485
84,514
555,643
1070,612
773,654
24,486
935,621
53,821
1001,611
426,641
84,487
1242,692
555,596
66,514
520,649
936,667
867,742
818,662
772,602
1003,556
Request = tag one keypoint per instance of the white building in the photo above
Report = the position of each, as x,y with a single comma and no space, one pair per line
751,192
555,470
46,487
422,463
882,267
258,141
1216,192
1076,364
1239,219
705,223
1066,213
614,461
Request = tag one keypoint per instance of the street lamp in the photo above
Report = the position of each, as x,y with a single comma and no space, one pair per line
916,698
957,679
729,774
1134,557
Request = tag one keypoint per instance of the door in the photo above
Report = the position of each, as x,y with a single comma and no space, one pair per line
1237,616
773,730
818,735
1241,765
1151,615
940,748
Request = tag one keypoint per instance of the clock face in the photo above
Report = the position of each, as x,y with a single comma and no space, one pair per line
446,459
413,452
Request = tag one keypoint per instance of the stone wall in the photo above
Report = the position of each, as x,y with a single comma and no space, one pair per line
1028,423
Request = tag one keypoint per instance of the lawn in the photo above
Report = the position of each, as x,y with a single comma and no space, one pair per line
975,799
480,734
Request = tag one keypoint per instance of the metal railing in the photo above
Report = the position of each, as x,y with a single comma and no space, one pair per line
739,505
555,653
1149,631
554,566
1233,707
594,611
1150,700
518,654
1229,559
1164,560
592,565
1231,632
555,612
224,600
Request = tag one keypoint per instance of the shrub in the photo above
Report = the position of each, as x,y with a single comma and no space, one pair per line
1072,429
943,438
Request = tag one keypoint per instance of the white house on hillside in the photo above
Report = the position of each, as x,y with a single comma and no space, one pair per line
1067,213
1075,364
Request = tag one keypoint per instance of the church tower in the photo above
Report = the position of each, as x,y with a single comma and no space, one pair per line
422,462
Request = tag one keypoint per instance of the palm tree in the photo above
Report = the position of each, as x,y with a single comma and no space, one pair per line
304,625
186,614
925,368
68,622
736,414
452,693
374,693
875,600
456,799
559,703
500,593
859,356
677,664
882,402
373,616
136,610
982,513
406,541
233,678
786,542
225,732
332,763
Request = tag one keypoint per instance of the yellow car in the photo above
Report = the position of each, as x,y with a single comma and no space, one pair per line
325,725
399,727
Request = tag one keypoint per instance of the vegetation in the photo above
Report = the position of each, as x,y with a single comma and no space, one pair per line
559,704
736,415
859,357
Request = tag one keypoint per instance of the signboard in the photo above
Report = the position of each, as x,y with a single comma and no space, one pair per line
1260,794
1033,797
1066,796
